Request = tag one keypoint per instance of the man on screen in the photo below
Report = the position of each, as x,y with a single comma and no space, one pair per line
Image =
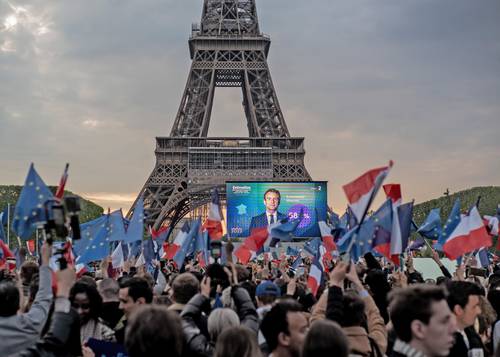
272,198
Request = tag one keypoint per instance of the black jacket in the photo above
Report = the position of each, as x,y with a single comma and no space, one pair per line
197,343
55,343
460,349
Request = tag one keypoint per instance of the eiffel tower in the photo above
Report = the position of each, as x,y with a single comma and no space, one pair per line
227,50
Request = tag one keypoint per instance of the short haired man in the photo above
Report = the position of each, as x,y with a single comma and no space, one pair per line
272,200
109,290
184,287
285,327
423,323
464,302
134,292
153,329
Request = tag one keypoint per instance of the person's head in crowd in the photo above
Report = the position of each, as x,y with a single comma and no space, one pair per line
149,279
133,293
353,308
464,302
151,330
28,271
325,338
379,287
494,299
485,320
237,341
217,277
109,289
10,298
422,319
221,319
88,280
266,293
32,291
86,300
162,300
442,280
284,328
184,287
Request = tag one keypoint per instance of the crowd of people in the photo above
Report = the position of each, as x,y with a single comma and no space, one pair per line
367,308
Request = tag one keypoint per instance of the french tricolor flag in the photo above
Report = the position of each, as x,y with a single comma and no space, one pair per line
62,183
361,191
315,276
213,224
469,235
393,191
178,242
326,236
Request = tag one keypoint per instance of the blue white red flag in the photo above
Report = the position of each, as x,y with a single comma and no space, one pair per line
362,190
178,241
449,226
213,224
62,183
469,234
315,274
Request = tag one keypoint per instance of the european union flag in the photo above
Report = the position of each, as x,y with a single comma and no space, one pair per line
312,246
148,249
449,226
30,207
202,242
88,231
431,228
116,227
188,245
135,229
98,248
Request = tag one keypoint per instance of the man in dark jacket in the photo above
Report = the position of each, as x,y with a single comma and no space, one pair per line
463,300
197,343
423,323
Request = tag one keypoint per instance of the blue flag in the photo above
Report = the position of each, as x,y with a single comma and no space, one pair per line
449,226
188,245
30,207
284,231
148,249
116,227
405,215
202,242
99,247
135,228
2,232
312,246
431,228
297,262
290,251
88,231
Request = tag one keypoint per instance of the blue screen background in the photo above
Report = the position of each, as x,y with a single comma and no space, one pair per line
246,200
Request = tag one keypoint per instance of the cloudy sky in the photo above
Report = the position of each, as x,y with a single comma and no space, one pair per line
93,82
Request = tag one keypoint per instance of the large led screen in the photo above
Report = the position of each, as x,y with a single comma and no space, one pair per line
256,204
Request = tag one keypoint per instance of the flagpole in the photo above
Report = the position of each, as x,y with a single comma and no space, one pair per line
8,224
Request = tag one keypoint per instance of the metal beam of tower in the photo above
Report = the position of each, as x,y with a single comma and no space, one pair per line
227,49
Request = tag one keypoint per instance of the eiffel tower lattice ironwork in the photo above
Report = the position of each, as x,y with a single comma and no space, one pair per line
227,50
